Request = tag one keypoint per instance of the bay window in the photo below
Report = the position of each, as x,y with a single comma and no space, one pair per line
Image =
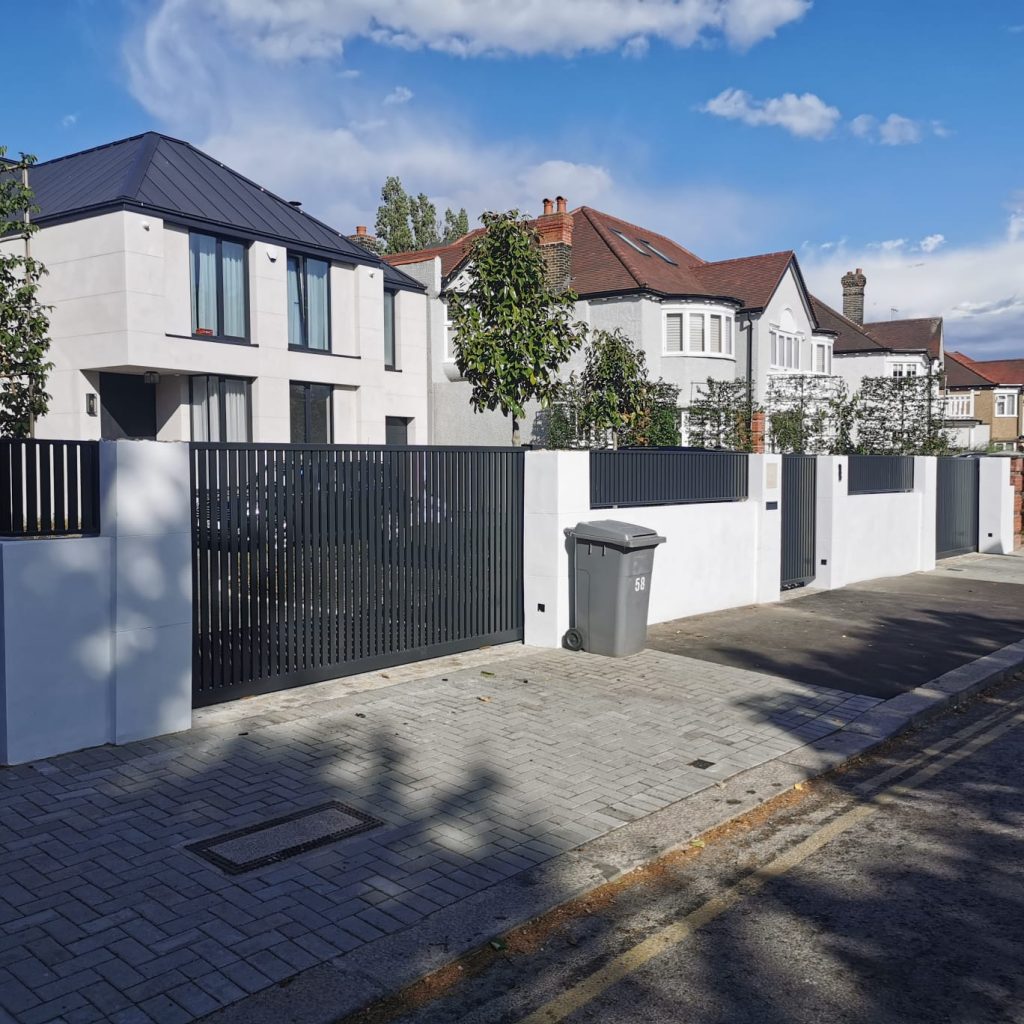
960,406
698,332
785,351
220,408
219,286
309,303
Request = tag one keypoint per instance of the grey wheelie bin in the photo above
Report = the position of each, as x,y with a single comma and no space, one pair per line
611,568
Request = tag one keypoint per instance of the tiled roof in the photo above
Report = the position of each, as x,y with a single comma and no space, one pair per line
173,179
850,336
451,255
752,279
922,335
962,372
1001,371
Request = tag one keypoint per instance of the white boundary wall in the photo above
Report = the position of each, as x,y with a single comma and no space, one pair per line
867,536
718,555
995,506
96,640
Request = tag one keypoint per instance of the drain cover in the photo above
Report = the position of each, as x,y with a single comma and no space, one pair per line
701,763
284,837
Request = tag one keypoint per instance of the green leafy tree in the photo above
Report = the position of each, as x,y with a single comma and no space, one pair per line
511,331
900,416
24,324
394,231
455,224
720,416
423,215
613,386
809,414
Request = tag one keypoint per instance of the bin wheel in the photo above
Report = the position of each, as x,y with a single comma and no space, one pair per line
573,640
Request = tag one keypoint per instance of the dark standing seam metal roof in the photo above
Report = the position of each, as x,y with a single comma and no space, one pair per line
178,182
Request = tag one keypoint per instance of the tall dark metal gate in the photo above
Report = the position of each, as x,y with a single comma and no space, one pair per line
956,513
311,562
799,492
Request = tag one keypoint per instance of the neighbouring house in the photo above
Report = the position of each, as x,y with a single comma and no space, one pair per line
992,390
192,303
747,318
969,400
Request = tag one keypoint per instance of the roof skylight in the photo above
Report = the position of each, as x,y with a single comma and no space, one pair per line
658,252
629,241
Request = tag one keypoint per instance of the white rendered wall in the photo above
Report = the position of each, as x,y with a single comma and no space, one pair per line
716,556
97,631
995,507
869,536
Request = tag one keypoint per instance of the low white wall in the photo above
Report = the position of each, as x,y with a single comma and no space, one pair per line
96,632
995,506
867,536
716,556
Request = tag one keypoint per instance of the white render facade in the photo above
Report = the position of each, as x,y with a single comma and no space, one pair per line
119,284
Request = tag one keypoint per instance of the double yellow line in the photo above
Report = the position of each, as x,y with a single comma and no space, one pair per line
966,742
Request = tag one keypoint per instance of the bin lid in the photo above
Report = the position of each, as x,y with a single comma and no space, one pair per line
621,535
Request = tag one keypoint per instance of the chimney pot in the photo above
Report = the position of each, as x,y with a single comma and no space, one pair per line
560,200
548,207
360,229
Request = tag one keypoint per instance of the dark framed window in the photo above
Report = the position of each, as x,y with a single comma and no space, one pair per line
309,303
221,408
390,348
396,430
310,413
220,287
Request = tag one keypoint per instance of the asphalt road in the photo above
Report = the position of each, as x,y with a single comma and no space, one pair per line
878,639
898,906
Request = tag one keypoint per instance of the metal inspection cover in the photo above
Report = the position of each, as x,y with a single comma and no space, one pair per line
280,838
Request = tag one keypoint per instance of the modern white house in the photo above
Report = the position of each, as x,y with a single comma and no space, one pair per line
190,303
751,318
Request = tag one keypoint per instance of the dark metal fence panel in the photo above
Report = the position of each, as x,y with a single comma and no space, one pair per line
956,506
49,488
799,519
312,562
653,476
880,474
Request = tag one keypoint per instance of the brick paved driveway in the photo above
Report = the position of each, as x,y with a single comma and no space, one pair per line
479,771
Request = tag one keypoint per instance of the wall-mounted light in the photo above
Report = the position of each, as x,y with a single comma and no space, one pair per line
151,377
271,254
145,225
90,404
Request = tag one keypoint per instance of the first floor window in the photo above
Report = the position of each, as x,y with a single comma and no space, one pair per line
904,369
218,275
309,306
673,332
960,406
310,413
785,351
700,333
1006,403
220,408
822,358
390,349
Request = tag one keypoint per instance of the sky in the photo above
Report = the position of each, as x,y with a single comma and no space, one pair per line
879,134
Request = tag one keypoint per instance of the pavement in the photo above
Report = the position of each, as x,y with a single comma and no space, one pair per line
506,781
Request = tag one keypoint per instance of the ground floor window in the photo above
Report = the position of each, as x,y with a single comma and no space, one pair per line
310,413
396,430
221,408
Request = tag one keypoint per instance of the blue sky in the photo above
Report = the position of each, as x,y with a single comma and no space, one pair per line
879,134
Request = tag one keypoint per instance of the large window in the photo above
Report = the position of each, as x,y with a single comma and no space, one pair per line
699,332
785,350
219,287
309,303
310,408
1006,403
390,346
220,408
960,406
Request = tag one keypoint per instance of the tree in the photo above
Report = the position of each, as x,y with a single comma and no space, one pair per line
511,331
455,225
393,217
720,416
809,414
900,416
423,214
24,323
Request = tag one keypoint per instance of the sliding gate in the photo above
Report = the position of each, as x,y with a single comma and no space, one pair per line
311,562
956,515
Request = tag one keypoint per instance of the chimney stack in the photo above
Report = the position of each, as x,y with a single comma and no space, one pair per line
363,238
554,227
853,295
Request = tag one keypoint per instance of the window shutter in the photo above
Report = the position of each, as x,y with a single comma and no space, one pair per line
696,332
715,333
673,332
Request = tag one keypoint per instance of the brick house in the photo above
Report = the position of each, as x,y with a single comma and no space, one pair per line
992,391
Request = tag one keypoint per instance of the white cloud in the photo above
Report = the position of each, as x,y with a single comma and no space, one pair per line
636,47
805,116
68,120
888,246
466,28
896,130
863,126
978,289
400,94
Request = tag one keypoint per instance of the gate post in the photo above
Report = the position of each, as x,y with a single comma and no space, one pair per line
146,511
926,486
995,506
833,476
765,489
